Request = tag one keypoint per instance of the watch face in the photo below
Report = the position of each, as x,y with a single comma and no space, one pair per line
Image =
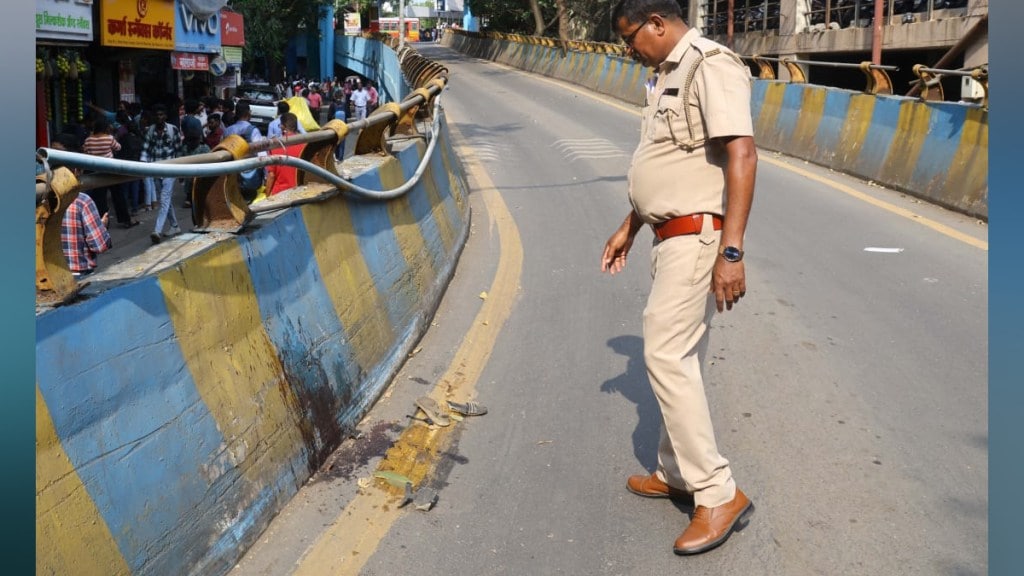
732,254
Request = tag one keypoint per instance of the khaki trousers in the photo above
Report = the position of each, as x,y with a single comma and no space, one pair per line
676,320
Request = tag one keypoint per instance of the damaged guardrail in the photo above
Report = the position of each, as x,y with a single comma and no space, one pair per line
232,365
218,205
930,86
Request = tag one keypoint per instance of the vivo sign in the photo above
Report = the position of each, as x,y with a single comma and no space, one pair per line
194,33
192,23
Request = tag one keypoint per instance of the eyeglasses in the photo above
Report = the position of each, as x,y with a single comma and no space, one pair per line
632,35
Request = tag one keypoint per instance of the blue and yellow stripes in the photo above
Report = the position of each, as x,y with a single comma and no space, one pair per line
177,413
64,505
935,151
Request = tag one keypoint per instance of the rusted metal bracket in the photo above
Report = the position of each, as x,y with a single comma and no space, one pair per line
407,123
767,73
322,153
877,78
415,67
931,86
427,73
796,73
217,202
980,75
54,282
373,138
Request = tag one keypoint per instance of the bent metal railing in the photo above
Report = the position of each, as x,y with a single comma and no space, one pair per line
878,81
929,81
218,205
877,75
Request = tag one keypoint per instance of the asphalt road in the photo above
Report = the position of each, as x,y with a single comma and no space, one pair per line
848,388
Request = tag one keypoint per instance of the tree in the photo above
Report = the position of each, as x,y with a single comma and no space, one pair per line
269,24
577,19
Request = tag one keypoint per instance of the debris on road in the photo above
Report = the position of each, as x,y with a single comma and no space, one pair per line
429,407
425,498
468,408
393,478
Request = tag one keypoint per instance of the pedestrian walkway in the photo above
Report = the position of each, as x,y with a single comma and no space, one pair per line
131,242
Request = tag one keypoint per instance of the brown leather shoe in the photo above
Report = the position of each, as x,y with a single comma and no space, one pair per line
712,526
652,487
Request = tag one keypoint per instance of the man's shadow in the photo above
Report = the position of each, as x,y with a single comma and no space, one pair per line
633,385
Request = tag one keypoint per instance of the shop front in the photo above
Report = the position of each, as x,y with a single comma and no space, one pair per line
133,62
197,39
64,30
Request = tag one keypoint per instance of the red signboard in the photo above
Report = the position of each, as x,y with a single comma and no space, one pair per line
189,61
232,32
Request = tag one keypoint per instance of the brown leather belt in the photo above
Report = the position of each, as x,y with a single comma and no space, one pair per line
683,225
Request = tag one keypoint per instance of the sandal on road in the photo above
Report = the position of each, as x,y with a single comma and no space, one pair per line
432,410
468,409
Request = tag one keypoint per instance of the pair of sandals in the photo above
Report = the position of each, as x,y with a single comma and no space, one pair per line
435,415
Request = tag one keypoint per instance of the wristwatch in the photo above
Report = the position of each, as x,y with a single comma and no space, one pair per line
731,253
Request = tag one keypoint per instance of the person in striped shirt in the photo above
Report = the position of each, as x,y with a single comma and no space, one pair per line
103,144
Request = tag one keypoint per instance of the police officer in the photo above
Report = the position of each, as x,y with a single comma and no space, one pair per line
692,181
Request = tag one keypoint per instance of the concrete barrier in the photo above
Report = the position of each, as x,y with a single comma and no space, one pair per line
937,151
177,411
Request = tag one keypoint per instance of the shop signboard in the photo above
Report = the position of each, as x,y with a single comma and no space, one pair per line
137,24
193,32
232,54
190,61
232,28
64,20
353,27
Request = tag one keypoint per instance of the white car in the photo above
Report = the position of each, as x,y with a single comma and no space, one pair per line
262,101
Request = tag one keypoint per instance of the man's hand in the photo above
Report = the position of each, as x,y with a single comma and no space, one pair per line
728,282
613,260
615,250
105,219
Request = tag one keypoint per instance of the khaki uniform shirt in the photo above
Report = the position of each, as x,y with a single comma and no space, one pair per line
678,169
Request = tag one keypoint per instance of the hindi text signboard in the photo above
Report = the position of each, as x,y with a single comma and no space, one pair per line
138,24
190,61
64,19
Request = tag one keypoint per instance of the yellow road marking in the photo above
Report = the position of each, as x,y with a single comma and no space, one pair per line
908,214
354,535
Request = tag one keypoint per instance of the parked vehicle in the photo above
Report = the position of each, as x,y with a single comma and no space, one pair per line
262,101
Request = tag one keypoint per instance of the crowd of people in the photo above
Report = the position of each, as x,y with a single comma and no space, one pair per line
354,97
176,128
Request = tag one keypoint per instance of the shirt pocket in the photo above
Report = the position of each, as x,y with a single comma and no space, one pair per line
667,121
